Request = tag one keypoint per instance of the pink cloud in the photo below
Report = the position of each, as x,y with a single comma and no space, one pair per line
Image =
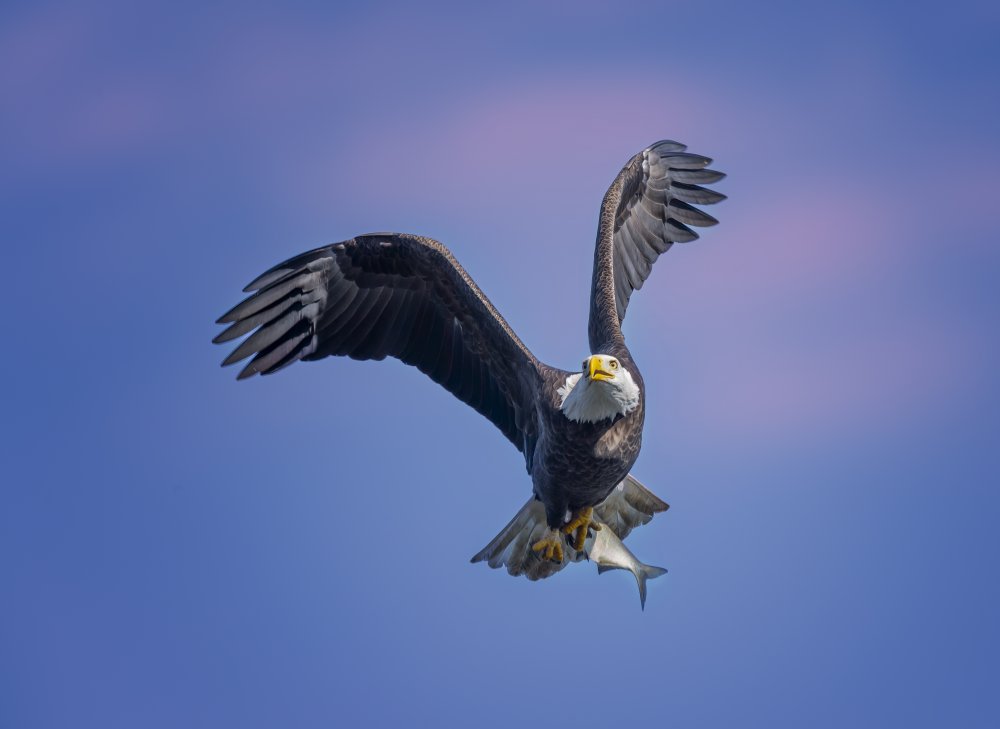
788,390
35,47
809,319
63,105
777,246
80,98
526,138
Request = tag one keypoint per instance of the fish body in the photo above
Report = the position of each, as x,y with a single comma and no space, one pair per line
608,551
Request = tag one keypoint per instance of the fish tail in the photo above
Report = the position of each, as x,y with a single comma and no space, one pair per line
643,572
646,571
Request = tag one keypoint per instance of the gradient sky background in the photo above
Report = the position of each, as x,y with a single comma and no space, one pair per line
181,550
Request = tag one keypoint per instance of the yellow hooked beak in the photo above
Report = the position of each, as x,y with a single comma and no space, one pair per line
597,371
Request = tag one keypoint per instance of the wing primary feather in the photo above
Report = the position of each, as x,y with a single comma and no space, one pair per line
696,195
691,216
697,177
289,344
678,232
266,336
241,327
685,161
266,316
667,145
279,271
266,297
268,278
291,358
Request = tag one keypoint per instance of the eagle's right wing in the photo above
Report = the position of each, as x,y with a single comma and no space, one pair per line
392,295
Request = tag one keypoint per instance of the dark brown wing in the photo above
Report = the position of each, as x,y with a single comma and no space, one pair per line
391,295
647,209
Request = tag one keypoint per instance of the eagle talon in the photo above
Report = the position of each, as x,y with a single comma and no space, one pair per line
581,523
550,546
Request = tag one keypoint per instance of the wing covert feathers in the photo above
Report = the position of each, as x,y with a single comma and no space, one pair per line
648,208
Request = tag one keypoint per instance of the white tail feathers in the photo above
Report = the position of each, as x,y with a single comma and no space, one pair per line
512,546
630,504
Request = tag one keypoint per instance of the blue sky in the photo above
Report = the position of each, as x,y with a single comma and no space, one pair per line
178,549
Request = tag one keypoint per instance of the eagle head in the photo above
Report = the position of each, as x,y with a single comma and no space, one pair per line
603,390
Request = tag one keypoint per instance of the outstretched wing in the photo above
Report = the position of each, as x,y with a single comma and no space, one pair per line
390,295
647,209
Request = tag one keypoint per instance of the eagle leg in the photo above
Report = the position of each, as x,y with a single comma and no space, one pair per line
581,523
550,546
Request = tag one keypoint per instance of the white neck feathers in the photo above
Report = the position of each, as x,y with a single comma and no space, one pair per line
590,401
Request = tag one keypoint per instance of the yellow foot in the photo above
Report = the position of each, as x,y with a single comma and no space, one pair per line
582,521
550,546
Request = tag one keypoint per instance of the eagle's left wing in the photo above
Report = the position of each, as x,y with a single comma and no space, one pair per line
647,209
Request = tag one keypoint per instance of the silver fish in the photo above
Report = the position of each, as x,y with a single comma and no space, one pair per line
608,551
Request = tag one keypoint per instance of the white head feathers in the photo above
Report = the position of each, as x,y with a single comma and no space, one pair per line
602,391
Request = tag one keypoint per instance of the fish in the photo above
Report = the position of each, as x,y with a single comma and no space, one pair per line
608,551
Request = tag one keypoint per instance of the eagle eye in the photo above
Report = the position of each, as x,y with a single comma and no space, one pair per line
614,364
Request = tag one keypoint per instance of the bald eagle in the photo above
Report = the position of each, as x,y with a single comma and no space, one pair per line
405,296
